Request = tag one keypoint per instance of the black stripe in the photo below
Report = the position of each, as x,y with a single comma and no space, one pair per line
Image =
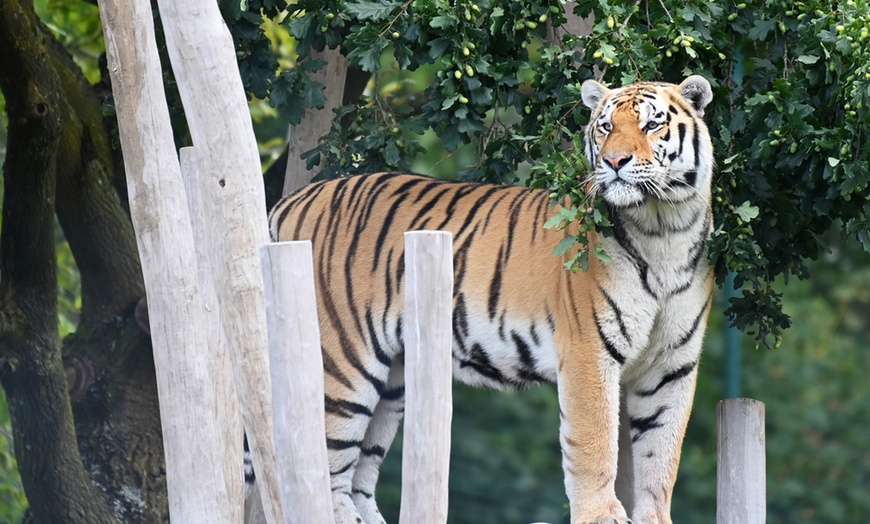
480,362
527,371
681,131
388,282
608,345
350,465
373,196
622,238
363,493
642,425
460,317
399,335
699,248
345,408
695,323
670,377
308,196
495,283
462,190
541,214
422,212
333,370
618,313
398,196
533,332
375,451
338,444
393,394
493,207
692,176
516,207
478,204
696,145
374,343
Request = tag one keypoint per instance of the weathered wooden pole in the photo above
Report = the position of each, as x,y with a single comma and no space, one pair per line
158,206
204,63
740,493
227,412
297,382
428,376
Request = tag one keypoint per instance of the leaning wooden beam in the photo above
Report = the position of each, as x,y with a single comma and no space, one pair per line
204,63
740,491
428,376
159,210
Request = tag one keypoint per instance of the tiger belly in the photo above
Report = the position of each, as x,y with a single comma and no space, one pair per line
505,352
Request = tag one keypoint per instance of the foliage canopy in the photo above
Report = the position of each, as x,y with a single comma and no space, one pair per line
789,118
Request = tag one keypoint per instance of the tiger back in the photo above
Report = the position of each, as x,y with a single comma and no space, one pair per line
520,319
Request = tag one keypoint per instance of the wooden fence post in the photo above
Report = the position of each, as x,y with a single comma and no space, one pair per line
205,66
428,376
297,382
227,412
740,493
185,373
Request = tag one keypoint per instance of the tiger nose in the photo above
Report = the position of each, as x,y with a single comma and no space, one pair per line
617,162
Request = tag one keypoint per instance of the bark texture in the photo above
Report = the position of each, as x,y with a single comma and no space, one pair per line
98,456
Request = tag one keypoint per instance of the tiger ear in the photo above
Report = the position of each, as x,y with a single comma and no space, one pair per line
592,93
697,91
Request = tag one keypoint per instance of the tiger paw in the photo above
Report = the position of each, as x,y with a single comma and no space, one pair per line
344,511
367,507
611,520
608,514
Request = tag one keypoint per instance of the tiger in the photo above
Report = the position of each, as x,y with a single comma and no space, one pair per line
633,324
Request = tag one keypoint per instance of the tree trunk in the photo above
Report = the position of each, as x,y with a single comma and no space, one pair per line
58,154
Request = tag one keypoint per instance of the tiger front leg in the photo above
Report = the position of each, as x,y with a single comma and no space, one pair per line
588,384
658,410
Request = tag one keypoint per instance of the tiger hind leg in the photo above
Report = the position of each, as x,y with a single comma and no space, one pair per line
379,436
350,408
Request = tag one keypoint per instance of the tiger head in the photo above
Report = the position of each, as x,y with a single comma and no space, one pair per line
648,142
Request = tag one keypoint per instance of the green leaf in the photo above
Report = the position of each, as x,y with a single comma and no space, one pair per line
602,255
371,10
563,246
760,29
808,59
833,162
442,21
747,212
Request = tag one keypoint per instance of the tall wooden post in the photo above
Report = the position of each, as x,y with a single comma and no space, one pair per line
428,376
186,375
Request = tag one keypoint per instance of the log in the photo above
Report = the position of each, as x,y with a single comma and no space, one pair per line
227,410
204,63
740,492
159,210
428,377
297,382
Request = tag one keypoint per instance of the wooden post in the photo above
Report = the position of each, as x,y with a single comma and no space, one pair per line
297,382
204,63
740,494
428,376
227,413
159,210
